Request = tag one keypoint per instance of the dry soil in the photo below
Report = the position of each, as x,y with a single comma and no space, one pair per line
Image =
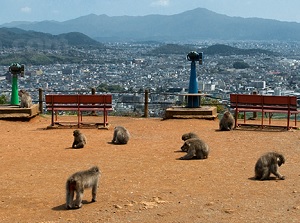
144,181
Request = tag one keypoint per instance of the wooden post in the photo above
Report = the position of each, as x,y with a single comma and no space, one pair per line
41,100
146,103
254,116
93,93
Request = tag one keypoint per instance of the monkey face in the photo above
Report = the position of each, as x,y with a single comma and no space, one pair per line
76,133
185,147
280,161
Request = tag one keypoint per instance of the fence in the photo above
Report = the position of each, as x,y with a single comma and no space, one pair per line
140,104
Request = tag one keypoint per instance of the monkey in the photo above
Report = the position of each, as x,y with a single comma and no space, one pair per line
189,136
26,100
121,135
77,182
227,122
195,147
267,164
79,139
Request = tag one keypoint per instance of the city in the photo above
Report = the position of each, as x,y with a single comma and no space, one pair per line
133,68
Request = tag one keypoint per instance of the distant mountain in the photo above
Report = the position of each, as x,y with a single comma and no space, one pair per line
15,37
217,49
225,50
197,24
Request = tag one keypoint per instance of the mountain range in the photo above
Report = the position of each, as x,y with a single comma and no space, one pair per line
192,25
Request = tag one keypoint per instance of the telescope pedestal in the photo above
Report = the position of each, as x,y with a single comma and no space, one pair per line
204,112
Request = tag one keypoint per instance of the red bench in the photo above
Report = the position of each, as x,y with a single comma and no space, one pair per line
264,104
78,103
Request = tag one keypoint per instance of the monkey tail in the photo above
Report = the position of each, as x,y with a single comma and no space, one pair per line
70,185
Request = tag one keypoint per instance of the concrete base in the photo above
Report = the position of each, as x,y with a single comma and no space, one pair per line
204,112
15,112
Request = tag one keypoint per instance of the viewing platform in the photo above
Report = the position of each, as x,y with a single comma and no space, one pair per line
15,112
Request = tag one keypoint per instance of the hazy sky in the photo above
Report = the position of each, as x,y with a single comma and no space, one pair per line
62,10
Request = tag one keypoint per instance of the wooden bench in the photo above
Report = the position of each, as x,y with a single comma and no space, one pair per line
79,104
264,104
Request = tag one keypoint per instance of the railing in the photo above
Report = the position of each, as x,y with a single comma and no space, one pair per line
140,104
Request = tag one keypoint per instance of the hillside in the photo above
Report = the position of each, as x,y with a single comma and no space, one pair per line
37,48
15,37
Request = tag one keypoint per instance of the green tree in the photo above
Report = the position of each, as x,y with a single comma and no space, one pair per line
240,65
109,88
3,99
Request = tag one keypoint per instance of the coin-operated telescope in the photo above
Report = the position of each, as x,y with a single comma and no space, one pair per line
15,69
193,101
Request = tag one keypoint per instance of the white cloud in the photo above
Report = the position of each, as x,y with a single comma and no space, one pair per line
161,3
26,9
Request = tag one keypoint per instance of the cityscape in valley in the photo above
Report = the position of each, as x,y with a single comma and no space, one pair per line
128,68
132,68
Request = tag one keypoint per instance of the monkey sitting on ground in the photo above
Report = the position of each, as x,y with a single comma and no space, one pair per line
26,100
189,136
121,135
79,139
267,164
195,147
78,182
227,122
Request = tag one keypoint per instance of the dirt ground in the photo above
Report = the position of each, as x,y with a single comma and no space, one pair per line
144,181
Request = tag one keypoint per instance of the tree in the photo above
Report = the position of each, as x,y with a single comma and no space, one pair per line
3,99
240,65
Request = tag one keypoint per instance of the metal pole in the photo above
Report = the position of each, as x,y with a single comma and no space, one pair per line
14,91
193,101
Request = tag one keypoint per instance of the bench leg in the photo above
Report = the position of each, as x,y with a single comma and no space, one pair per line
288,121
78,118
104,118
236,116
52,118
262,119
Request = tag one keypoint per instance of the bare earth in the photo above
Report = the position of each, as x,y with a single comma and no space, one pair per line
143,181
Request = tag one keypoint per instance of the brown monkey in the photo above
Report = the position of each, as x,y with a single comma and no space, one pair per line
79,139
195,147
189,136
121,135
26,100
78,182
267,164
227,122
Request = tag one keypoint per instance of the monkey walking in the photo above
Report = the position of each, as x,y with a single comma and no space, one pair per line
121,135
189,136
79,139
267,164
195,147
26,100
226,122
78,182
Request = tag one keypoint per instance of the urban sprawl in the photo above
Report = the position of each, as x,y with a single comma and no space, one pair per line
130,66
